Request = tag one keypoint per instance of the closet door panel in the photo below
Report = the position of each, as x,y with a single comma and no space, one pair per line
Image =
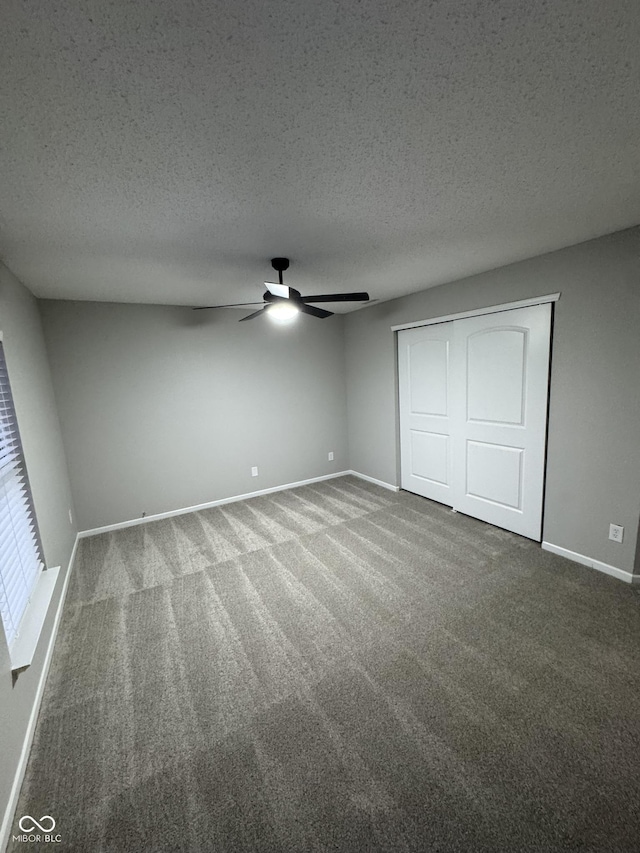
500,370
425,398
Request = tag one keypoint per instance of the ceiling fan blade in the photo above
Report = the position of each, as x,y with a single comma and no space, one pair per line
278,289
235,305
338,297
251,316
315,312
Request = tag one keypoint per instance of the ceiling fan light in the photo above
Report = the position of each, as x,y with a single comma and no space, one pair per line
283,312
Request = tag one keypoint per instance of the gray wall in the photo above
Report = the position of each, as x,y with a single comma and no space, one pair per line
593,467
44,455
164,408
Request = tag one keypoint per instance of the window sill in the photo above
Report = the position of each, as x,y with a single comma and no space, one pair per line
24,646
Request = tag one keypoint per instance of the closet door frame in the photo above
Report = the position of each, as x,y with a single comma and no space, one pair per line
477,312
494,309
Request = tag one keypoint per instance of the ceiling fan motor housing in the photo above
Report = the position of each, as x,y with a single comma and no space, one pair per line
294,296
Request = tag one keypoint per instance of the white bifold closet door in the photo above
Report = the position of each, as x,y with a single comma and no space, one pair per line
473,414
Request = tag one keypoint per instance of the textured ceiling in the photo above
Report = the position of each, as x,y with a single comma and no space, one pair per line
164,151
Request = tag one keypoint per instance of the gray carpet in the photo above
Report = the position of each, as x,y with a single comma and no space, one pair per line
338,668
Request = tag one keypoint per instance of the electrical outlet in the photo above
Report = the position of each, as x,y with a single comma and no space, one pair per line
254,471
331,456
616,532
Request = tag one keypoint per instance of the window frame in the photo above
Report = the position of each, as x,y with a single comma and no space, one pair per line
22,563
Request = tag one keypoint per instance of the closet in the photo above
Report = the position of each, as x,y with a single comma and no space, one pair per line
473,414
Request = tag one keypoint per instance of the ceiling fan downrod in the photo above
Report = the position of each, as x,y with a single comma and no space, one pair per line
280,265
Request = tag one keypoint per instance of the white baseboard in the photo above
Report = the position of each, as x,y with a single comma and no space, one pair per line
5,828
373,480
171,513
621,574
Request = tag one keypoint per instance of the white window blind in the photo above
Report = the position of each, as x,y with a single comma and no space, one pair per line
20,550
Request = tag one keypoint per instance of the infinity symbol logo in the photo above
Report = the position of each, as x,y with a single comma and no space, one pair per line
34,823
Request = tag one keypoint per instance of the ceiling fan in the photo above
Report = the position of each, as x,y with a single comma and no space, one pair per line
283,303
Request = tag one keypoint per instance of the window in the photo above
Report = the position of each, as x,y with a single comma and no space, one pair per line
21,559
